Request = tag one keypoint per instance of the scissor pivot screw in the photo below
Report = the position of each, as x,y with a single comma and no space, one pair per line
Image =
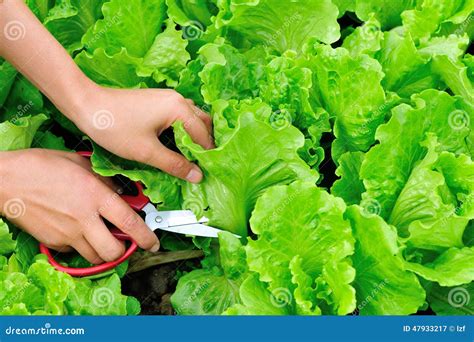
158,219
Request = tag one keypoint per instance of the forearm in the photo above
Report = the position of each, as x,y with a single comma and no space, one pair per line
28,45
3,175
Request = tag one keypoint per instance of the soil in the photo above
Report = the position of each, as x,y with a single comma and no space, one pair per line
153,287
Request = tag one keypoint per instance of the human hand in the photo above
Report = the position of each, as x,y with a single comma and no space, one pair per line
128,122
54,196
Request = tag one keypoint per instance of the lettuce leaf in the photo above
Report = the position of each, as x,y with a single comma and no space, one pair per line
7,244
19,134
452,300
279,25
365,39
131,24
345,6
49,140
43,290
227,73
24,99
451,268
30,285
387,12
258,300
211,291
350,89
186,13
284,84
427,18
406,72
433,206
7,78
69,20
189,84
408,65
40,7
382,284
455,75
126,46
288,221
100,297
231,191
160,187
397,157
350,186
166,57
118,70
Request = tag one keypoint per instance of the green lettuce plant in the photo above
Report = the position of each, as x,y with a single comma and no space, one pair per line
344,143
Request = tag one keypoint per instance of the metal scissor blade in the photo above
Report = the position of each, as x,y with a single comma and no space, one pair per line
195,229
162,219
181,222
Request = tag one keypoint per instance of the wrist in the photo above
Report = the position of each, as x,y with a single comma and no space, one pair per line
92,109
5,171
78,96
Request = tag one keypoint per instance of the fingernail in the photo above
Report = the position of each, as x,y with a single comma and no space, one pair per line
195,175
155,248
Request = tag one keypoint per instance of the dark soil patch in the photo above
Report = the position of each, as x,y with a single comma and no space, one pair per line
153,287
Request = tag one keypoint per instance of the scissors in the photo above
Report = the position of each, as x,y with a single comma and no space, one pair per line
176,221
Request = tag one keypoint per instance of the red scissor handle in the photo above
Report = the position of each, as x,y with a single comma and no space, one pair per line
88,271
137,202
